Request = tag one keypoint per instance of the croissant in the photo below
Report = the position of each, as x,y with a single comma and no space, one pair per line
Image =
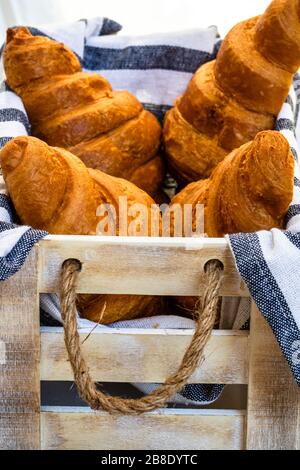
231,99
52,189
108,130
250,190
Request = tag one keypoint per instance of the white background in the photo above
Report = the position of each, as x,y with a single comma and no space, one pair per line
136,16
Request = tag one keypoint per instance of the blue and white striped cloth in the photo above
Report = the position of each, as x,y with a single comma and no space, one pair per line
157,68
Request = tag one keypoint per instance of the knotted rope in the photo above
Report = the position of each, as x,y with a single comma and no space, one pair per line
205,315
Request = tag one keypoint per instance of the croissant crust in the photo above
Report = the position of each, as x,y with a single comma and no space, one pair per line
109,130
250,190
231,99
52,189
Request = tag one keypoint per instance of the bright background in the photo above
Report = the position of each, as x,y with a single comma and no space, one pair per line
136,16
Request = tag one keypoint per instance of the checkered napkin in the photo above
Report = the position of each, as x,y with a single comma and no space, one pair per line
156,69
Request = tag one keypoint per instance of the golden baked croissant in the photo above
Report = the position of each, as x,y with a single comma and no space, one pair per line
250,190
108,130
231,99
53,190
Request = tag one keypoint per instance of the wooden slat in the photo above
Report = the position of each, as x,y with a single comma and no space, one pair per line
147,356
149,266
19,359
273,397
164,430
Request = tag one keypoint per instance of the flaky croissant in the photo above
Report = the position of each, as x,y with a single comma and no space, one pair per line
52,189
108,130
250,190
231,99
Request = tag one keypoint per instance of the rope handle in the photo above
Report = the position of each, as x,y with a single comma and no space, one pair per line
205,315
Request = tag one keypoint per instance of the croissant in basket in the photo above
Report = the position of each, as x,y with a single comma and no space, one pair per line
250,190
231,99
52,189
108,130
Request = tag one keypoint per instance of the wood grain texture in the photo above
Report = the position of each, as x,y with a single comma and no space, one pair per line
147,356
129,265
164,430
273,396
19,359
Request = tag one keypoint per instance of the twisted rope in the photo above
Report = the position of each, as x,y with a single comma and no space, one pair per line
205,315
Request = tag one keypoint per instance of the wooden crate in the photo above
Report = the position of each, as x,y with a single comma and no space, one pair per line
29,354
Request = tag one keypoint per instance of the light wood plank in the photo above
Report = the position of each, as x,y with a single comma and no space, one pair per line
19,364
273,397
147,356
163,430
128,265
